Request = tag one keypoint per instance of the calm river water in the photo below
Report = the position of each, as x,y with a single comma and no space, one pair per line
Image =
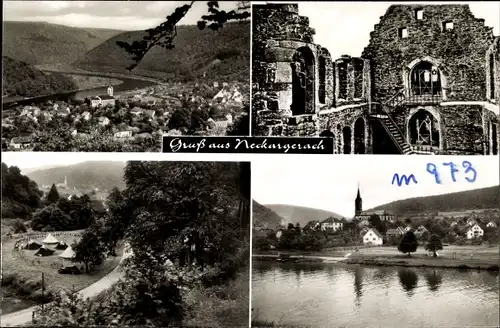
336,295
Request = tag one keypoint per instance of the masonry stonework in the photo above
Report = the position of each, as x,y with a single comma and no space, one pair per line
425,85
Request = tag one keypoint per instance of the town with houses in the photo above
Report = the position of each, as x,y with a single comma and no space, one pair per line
128,118
380,227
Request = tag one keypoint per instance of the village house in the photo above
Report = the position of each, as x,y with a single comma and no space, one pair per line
453,224
332,224
393,233
491,224
123,134
137,111
86,116
373,237
103,121
420,231
363,231
474,232
103,100
312,225
408,228
471,222
21,142
279,233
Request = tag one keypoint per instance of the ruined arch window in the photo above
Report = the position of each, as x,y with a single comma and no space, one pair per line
419,14
402,32
322,80
303,84
448,26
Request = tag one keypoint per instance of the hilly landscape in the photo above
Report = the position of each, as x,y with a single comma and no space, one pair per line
264,217
102,175
460,201
223,53
299,214
45,43
24,80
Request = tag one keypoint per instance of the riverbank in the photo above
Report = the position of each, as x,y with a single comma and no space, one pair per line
425,262
298,258
86,82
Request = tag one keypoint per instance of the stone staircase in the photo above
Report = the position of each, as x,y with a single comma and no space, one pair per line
393,131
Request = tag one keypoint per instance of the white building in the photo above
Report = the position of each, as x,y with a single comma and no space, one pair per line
491,224
332,224
373,237
474,232
103,100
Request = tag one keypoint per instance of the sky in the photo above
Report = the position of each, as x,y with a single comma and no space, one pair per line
120,15
330,183
344,27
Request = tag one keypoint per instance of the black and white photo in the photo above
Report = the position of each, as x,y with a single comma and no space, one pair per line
342,242
115,76
113,241
379,77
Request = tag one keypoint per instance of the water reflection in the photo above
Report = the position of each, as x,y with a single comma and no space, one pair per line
408,280
434,279
358,285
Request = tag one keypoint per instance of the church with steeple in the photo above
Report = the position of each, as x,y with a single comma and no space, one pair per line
361,215
104,100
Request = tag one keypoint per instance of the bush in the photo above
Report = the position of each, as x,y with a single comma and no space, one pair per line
19,227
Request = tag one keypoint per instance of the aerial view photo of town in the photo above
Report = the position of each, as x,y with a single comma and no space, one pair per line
82,76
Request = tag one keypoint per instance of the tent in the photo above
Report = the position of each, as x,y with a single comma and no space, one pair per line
50,239
68,254
44,251
32,245
61,245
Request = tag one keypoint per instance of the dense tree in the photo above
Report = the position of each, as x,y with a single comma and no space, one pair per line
53,216
180,119
19,227
434,245
89,249
408,243
20,195
53,195
377,223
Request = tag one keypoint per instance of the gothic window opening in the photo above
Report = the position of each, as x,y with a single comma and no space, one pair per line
342,71
303,82
494,139
322,80
359,136
402,32
425,80
492,76
424,129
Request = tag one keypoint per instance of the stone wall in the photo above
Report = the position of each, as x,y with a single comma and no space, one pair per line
459,53
281,38
462,127
493,72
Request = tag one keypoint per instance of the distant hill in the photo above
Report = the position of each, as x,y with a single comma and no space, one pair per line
264,217
45,43
298,214
22,79
219,54
103,175
459,201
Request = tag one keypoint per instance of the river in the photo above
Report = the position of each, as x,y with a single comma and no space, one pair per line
127,85
339,295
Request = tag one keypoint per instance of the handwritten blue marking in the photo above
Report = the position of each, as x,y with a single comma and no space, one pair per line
468,168
432,169
403,178
453,170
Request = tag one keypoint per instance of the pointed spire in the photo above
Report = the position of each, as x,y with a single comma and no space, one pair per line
359,195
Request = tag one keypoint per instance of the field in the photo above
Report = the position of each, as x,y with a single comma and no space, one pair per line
452,256
24,272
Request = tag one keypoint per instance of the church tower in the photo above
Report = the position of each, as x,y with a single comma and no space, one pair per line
358,204
65,181
110,89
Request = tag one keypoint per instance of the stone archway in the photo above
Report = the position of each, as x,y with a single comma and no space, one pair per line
424,130
424,78
359,136
303,82
346,136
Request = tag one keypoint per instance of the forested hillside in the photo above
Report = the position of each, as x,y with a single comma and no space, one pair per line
215,54
264,217
465,200
22,79
103,175
299,214
44,43
20,195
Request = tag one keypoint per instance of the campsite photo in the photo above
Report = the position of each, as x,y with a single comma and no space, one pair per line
104,240
345,245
